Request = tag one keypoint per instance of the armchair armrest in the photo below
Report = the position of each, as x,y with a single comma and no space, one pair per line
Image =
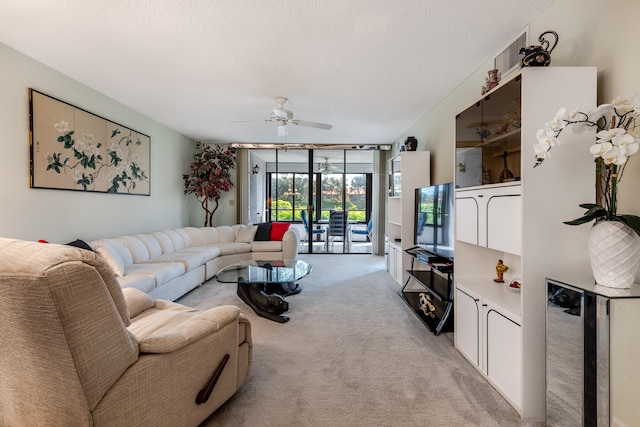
189,331
137,301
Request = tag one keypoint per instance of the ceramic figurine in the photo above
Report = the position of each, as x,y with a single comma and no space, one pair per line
538,55
411,143
491,81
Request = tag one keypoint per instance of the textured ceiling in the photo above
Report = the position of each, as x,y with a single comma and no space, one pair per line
371,68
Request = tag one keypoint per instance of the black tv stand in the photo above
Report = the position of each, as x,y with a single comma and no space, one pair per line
431,297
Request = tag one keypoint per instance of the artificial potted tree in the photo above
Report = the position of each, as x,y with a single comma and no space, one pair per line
210,176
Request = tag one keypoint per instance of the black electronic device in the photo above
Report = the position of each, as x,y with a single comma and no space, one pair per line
434,221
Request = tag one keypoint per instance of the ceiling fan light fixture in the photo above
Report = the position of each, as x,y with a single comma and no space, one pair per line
283,117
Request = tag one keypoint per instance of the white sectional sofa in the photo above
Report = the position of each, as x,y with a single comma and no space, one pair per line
169,263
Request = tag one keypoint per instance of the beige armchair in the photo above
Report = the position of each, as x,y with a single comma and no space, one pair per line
75,350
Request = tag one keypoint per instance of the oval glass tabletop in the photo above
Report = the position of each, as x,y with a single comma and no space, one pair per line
259,271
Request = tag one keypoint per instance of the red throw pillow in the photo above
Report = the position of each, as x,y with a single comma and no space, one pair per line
278,229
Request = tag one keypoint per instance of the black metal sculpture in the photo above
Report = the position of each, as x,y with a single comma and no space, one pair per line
269,306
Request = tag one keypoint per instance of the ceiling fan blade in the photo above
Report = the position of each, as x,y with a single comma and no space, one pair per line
312,124
251,121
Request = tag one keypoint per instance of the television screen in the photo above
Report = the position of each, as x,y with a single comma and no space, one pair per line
434,225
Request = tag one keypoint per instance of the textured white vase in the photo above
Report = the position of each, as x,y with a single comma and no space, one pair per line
614,251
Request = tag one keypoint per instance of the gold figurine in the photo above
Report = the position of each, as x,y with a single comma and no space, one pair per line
500,270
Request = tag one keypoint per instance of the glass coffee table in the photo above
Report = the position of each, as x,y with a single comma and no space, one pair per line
263,285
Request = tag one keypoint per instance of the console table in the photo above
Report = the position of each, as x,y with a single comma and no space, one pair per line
428,289
592,353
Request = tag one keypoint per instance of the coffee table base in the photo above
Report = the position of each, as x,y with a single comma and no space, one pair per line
267,305
284,289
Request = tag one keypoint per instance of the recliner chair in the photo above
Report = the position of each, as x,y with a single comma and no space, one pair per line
76,350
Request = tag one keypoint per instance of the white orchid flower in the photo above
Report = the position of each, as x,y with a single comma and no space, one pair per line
626,143
547,137
557,123
599,149
614,156
635,135
62,126
609,134
541,152
87,137
635,102
604,110
573,115
622,106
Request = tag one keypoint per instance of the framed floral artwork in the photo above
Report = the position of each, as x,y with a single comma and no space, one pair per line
73,149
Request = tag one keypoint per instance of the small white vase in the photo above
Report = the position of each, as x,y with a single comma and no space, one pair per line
614,251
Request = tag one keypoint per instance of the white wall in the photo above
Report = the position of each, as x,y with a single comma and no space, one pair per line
591,33
60,216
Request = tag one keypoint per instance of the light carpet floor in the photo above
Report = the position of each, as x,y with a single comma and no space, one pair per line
353,354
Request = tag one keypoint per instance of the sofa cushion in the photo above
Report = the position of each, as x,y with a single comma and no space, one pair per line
196,238
184,236
270,246
177,241
152,244
263,232
210,235
161,272
138,250
246,233
278,229
145,283
111,257
137,301
164,241
190,259
120,248
226,233
233,248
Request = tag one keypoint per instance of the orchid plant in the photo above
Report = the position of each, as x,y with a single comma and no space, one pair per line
616,140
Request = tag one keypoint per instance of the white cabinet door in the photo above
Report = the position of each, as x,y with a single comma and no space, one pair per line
504,223
467,318
467,217
392,261
503,351
490,217
395,263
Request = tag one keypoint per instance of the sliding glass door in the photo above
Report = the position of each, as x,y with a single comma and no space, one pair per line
304,187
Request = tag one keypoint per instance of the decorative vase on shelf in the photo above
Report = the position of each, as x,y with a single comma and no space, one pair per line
614,252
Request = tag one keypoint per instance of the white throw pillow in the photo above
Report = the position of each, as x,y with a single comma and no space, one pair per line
246,234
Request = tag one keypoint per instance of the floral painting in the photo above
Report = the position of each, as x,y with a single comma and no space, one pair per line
72,149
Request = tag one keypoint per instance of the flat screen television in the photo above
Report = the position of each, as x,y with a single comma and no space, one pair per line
434,222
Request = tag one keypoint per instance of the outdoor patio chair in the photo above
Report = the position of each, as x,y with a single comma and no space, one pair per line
313,232
337,227
361,230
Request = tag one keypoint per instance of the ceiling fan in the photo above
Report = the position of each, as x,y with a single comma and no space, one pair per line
284,117
326,167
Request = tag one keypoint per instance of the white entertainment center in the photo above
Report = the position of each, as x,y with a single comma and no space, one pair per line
507,210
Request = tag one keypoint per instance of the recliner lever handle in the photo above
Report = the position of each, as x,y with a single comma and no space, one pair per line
205,393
